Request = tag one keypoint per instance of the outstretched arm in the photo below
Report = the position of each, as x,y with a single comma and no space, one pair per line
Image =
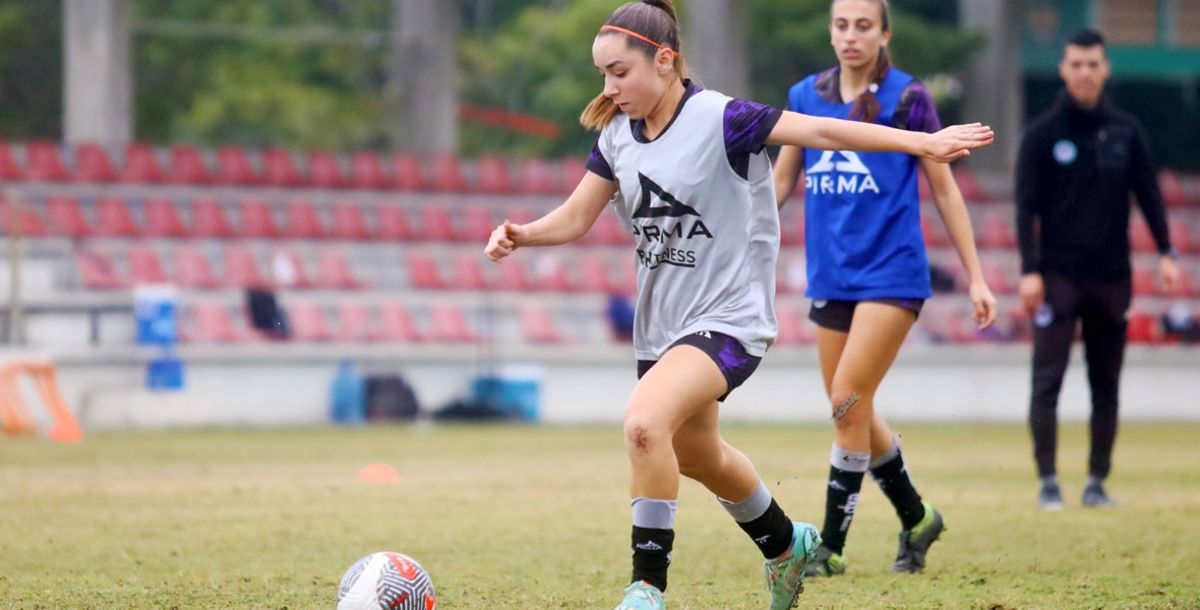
947,145
564,224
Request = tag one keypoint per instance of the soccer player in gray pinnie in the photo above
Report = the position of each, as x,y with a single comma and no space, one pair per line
686,172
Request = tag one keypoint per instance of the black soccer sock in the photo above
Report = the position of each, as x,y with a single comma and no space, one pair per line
763,520
841,496
892,476
653,537
652,555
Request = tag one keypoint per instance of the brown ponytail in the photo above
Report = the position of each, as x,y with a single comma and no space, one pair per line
654,20
866,105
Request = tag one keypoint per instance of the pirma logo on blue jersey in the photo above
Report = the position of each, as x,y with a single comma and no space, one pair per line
839,172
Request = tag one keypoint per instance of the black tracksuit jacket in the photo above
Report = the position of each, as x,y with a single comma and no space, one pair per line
1075,171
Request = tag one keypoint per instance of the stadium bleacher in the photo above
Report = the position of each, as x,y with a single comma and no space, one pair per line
388,227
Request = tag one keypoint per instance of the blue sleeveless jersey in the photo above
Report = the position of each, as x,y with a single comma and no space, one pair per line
862,210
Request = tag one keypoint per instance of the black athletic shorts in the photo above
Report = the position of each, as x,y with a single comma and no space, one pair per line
725,351
836,315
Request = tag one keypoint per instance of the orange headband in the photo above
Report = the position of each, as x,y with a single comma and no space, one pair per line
635,35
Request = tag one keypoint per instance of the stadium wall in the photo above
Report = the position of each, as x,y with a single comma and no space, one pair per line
267,386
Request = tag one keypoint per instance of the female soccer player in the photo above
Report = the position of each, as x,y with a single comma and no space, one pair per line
695,190
867,269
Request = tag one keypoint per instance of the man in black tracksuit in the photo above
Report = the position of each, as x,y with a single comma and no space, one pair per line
1077,164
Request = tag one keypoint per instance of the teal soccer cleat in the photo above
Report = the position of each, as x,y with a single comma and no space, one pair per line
785,576
642,595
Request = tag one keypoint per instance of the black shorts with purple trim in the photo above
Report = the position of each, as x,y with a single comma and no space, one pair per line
728,354
837,315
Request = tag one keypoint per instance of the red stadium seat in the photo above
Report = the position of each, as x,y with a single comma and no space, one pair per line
1181,237
1172,190
324,170
998,232
468,273
596,276
492,176
279,168
398,325
141,166
1140,237
1144,283
214,324
626,282
162,219
479,224
92,164
423,273
193,270
115,219
513,277
145,266
537,324
356,323
791,277
233,167
209,219
97,272
607,231
934,232
349,223
791,226
447,175
287,270
43,163
968,185
408,175
550,274
241,269
999,278
66,216
307,322
449,324
187,166
258,220
436,224
334,271
538,177
27,221
1143,328
366,172
303,221
572,171
393,223
9,170
794,327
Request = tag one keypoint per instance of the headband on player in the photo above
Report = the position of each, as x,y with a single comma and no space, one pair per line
634,34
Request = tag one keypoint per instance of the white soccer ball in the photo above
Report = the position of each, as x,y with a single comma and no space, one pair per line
386,581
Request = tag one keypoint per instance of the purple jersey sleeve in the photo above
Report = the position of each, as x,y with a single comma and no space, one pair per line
747,125
916,111
598,165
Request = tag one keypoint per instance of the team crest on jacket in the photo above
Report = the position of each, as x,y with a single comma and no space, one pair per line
666,243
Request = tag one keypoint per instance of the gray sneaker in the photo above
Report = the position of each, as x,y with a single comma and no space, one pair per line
1050,497
1094,496
915,543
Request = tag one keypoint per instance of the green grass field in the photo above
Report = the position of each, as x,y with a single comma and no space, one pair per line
508,518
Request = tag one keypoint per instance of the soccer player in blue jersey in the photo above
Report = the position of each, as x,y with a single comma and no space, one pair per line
868,274
686,172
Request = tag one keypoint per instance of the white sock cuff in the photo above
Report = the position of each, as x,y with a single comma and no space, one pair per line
849,461
654,514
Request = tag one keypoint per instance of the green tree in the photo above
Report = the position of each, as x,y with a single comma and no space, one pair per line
30,70
539,62
253,79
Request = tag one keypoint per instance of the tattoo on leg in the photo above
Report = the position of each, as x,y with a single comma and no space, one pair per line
842,409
